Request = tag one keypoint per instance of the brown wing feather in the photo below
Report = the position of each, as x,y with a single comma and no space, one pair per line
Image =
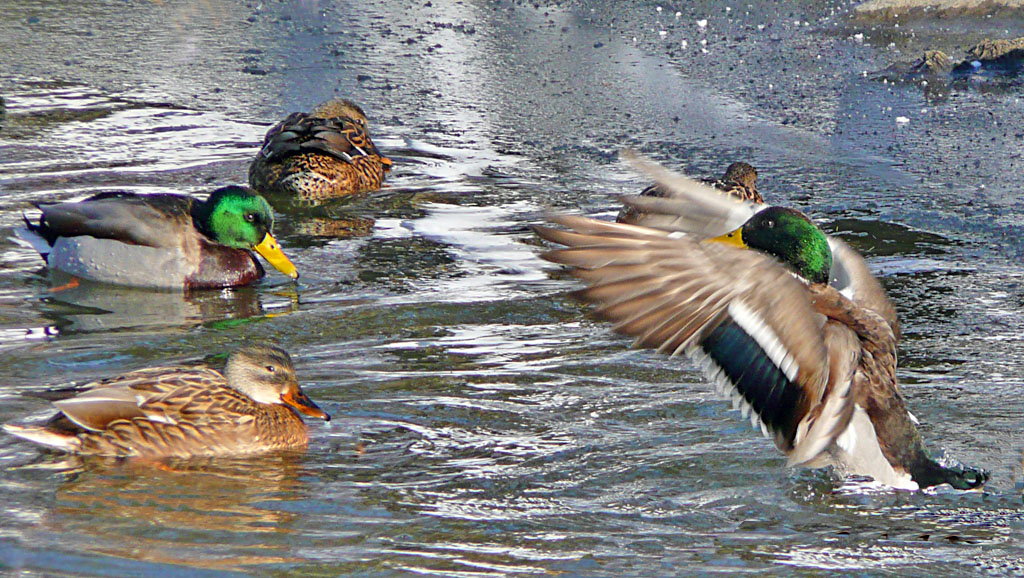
736,189
341,138
669,291
830,418
122,397
867,291
313,157
875,386
696,215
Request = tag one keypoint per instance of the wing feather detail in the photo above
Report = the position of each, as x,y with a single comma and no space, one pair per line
148,220
689,206
342,138
851,277
743,318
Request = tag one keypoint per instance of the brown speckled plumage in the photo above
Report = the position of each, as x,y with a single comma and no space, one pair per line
740,181
322,154
184,412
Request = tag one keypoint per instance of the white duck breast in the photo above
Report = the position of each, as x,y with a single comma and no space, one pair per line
857,451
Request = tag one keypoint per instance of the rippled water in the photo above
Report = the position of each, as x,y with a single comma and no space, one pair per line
484,426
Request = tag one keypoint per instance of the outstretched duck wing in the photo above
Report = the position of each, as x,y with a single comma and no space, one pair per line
746,320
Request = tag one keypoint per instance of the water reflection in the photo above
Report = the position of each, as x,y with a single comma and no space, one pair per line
226,513
874,238
77,306
425,175
71,133
322,219
487,244
312,225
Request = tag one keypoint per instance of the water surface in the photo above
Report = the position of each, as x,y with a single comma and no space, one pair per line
483,425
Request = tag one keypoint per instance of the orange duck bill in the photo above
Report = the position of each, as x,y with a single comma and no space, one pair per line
301,403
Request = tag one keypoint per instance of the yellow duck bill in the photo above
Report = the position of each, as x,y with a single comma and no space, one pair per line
270,250
734,238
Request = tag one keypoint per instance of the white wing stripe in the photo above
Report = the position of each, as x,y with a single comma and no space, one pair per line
770,343
725,388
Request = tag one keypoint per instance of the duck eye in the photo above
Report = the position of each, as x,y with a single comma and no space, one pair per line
770,224
271,368
250,217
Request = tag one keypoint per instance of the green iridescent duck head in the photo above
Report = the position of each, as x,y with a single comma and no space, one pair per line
789,236
241,219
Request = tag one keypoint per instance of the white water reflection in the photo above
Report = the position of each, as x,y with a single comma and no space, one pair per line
487,246
125,133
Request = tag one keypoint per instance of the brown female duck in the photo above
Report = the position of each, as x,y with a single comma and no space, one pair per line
323,154
183,412
739,182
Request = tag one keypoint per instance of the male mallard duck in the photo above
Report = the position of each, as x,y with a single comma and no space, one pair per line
814,368
320,155
703,212
739,183
183,412
165,241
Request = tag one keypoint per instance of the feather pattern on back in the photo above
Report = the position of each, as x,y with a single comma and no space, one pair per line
150,220
318,155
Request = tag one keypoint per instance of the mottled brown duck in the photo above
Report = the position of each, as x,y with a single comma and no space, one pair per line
739,182
323,154
184,412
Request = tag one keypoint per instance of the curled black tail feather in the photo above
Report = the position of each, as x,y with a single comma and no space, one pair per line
37,234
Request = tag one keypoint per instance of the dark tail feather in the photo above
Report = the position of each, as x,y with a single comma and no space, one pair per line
36,235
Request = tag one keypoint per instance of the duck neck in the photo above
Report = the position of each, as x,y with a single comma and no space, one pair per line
201,212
